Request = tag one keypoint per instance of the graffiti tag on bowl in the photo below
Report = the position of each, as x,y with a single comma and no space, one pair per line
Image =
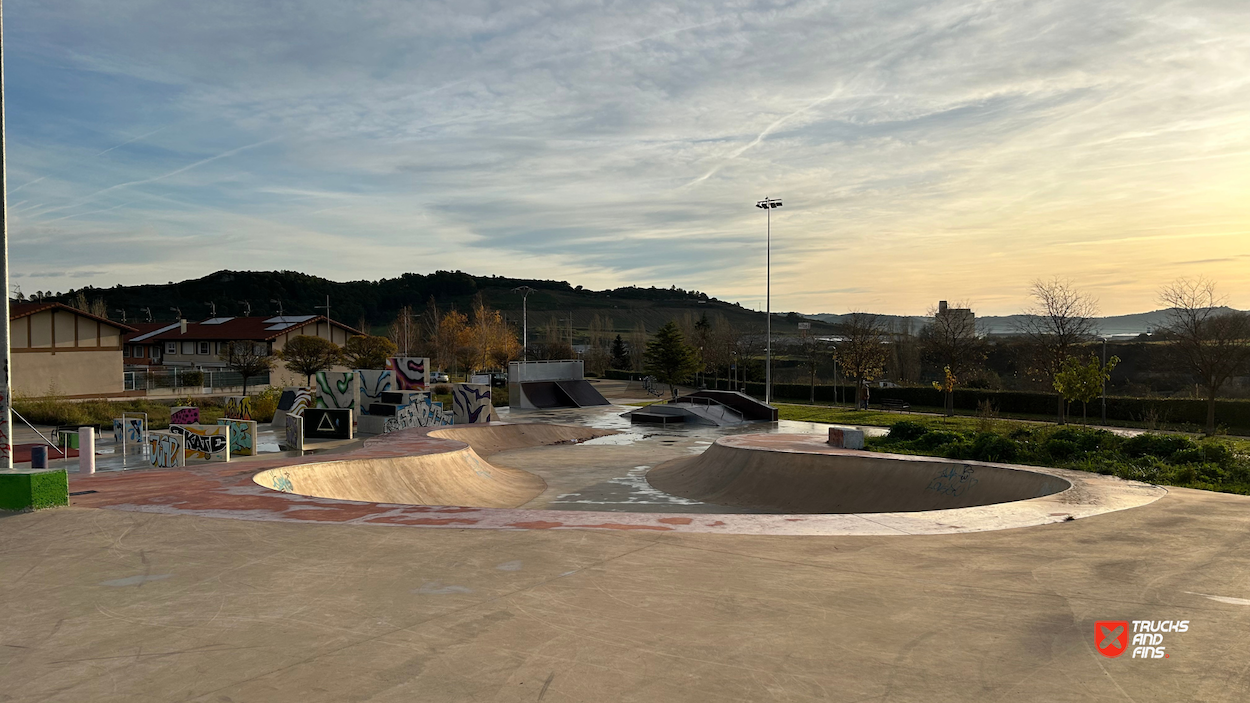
953,481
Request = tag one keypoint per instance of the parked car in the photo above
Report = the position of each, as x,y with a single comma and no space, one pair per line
439,377
499,379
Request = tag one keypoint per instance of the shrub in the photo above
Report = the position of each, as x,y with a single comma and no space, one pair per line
994,447
906,431
442,389
959,449
1059,448
1212,452
1162,446
1184,474
937,438
265,404
191,378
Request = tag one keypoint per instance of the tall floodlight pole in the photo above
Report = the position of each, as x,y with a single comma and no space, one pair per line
525,320
6,390
767,204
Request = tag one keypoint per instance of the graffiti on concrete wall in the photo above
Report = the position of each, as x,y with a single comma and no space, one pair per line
412,373
372,385
294,400
953,481
128,430
184,415
422,413
294,433
337,389
242,436
471,404
239,407
165,450
204,441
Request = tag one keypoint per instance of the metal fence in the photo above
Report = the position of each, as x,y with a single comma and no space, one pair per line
192,380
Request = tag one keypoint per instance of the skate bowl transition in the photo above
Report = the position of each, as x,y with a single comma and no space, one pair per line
766,484
788,473
451,471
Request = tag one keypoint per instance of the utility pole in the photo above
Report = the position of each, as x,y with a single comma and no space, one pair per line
326,307
6,390
767,205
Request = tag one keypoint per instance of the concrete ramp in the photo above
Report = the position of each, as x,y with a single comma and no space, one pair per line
450,470
582,393
802,474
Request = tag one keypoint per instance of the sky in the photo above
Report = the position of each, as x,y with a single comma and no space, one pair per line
923,150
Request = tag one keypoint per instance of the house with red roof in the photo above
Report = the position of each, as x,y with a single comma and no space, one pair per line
198,345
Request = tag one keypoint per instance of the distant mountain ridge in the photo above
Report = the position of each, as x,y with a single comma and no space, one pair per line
1112,325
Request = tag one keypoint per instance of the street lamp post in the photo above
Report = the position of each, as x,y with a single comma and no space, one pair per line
6,392
767,205
525,324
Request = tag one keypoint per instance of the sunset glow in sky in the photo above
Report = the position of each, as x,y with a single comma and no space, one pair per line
924,150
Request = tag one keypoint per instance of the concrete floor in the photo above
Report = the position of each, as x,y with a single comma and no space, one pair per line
106,605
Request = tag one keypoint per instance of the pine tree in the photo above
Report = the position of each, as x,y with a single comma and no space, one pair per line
669,358
620,354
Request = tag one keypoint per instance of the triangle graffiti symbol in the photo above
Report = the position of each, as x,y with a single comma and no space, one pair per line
326,424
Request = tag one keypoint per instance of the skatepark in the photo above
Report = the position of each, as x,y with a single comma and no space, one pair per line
572,555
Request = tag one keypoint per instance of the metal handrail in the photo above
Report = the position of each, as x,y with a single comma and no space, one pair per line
694,400
64,453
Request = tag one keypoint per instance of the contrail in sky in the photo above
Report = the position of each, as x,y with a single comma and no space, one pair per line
141,136
153,179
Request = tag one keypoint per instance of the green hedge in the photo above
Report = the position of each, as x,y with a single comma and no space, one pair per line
22,490
1233,414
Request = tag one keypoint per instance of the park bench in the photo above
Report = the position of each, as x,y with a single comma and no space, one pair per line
893,404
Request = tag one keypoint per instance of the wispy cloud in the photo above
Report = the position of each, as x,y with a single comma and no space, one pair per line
925,150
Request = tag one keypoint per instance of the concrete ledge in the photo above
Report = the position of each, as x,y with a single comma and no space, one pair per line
33,489
846,437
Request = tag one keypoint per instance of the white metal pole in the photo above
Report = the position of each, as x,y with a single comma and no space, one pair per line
6,390
768,309
86,450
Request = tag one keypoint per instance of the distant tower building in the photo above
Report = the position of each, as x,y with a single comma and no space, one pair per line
956,315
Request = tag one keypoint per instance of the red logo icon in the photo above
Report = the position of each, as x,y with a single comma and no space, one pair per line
1111,637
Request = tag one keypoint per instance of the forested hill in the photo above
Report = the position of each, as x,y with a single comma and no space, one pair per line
378,302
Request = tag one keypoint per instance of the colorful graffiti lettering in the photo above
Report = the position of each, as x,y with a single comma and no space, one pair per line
184,415
239,407
412,373
242,436
336,389
204,441
133,430
166,450
471,404
294,433
422,413
282,482
372,385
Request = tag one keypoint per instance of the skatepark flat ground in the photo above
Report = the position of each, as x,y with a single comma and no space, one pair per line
109,605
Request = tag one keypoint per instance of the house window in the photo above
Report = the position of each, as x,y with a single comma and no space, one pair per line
140,351
171,347
203,347
126,352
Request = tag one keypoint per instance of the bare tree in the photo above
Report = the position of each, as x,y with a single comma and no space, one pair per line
812,351
248,359
405,332
862,350
1058,321
950,341
1211,341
